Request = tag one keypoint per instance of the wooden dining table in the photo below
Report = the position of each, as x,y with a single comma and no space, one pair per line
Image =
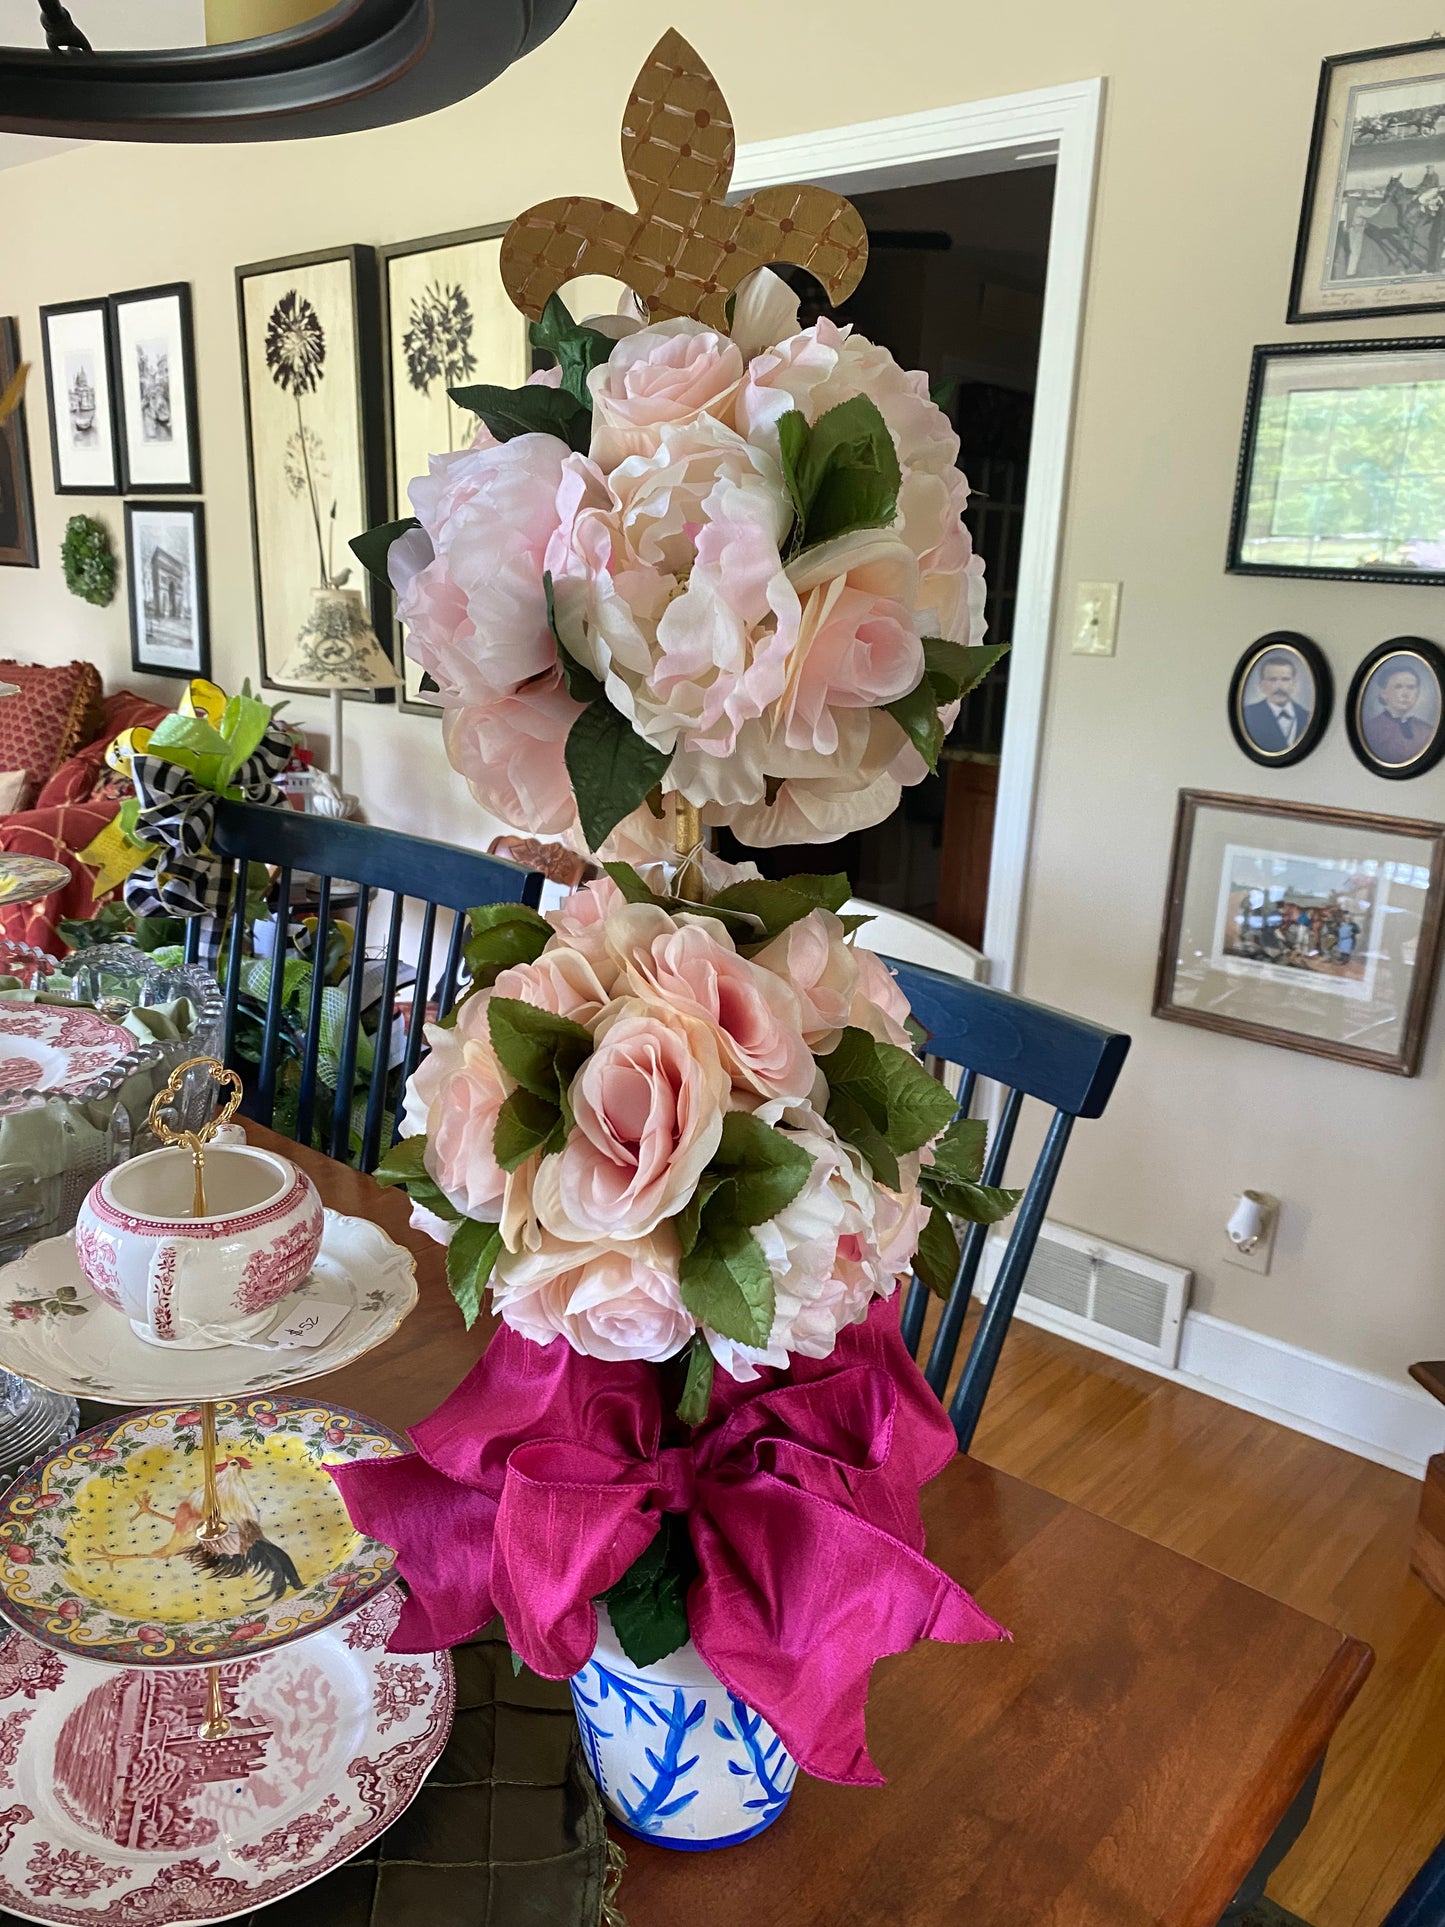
1122,1762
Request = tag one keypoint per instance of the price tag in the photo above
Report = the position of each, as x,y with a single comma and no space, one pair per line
310,1321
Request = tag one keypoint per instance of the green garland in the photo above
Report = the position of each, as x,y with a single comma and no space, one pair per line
89,560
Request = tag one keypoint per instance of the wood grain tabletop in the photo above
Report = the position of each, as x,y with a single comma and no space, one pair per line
1121,1764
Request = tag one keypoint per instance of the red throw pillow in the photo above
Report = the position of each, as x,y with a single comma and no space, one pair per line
56,713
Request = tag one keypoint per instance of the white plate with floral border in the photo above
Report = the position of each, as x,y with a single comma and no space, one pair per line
55,1331
112,1808
98,1549
47,1047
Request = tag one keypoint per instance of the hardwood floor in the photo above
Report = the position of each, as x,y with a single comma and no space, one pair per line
1303,1522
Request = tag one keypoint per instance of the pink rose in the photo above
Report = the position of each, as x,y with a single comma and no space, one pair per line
880,1007
512,751
606,1301
815,957
453,1099
440,1230
252,1629
858,644
151,1635
69,1609
661,376
265,1420
753,1012
19,1555
561,981
649,1105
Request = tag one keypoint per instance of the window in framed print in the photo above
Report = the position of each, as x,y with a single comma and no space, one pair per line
1310,928
165,554
17,504
447,322
154,357
75,338
1372,228
310,361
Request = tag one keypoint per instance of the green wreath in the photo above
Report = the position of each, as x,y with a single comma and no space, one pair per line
89,560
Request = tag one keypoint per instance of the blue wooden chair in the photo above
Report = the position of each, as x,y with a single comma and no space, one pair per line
1423,1902
432,874
1032,1052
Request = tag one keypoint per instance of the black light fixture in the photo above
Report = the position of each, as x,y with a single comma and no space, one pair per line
354,64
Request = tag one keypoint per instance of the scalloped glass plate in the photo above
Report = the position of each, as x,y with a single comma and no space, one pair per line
55,1331
98,1548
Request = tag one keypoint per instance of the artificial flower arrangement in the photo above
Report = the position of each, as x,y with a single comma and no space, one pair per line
677,1127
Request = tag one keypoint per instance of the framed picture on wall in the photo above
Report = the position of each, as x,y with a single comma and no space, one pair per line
165,553
17,504
1372,228
1394,713
75,337
153,354
1313,929
1280,698
1342,463
446,321
310,361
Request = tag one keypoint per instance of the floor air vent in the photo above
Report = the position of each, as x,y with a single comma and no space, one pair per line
1100,1293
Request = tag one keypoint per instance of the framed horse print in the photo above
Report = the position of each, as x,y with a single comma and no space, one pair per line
1372,228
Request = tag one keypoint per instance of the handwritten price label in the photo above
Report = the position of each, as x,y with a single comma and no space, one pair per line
310,1323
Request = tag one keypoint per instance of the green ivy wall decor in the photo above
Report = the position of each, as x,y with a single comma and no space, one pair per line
89,560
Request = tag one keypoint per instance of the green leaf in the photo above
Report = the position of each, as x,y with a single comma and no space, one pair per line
470,1257
503,934
525,1124
936,1260
976,1203
405,1164
825,892
688,1222
852,1065
761,1172
543,1052
771,904
794,436
919,1107
916,714
725,1283
697,1387
576,350
582,685
648,1604
954,670
853,1124
611,769
631,884
373,546
509,412
959,1153
846,477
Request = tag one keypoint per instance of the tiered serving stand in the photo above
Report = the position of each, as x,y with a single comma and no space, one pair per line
197,1712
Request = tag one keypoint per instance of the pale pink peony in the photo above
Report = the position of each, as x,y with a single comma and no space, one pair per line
662,376
815,957
649,1105
830,796
511,750
608,1301
754,1014
858,641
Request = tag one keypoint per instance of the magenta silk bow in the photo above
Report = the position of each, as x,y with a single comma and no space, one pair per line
543,1477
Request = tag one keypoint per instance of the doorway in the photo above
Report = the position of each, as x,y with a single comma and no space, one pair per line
991,182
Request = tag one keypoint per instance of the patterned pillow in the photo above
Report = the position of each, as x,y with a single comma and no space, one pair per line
56,713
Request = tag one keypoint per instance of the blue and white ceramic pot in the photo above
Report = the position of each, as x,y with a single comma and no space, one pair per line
679,1760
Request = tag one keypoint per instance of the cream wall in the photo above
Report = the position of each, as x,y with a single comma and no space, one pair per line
1205,134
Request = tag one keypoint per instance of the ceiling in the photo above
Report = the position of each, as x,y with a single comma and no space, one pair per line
109,24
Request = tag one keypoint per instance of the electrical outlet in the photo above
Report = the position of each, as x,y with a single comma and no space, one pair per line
1259,1259
1096,618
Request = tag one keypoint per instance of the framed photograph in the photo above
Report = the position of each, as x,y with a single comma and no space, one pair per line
154,358
1342,463
310,360
165,551
1280,699
1372,227
1313,929
75,338
1395,706
446,320
17,504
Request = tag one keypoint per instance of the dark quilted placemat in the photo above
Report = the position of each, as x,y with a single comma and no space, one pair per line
506,1832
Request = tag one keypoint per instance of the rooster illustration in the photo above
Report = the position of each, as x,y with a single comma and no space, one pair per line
242,1550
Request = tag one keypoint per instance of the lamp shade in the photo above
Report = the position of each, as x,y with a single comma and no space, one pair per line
336,647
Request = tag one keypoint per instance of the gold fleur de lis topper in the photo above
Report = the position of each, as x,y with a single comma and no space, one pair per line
685,249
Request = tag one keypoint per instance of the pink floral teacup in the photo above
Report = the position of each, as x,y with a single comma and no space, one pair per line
198,1282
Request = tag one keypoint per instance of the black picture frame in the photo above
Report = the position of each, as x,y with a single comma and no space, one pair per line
1294,352
366,389
188,480
1424,658
1280,642
18,549
1309,241
108,484
148,664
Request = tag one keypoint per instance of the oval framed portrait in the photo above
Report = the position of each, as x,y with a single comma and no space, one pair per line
1396,708
1280,698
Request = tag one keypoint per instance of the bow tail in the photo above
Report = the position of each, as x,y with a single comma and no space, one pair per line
442,1534
808,1651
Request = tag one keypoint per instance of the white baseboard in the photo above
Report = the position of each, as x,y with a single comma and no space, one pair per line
1387,1420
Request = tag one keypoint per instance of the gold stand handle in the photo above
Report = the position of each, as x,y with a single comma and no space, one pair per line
212,1526
215,1726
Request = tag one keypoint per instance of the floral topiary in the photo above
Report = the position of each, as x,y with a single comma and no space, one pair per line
89,560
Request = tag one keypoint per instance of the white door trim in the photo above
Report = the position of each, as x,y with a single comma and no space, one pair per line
1058,125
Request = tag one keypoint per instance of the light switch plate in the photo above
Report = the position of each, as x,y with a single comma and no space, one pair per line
1096,618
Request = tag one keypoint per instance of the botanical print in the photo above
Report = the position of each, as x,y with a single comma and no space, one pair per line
1282,916
438,341
296,362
